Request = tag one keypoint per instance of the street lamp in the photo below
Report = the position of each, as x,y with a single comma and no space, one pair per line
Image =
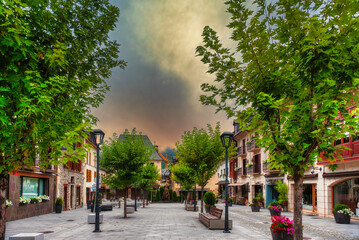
135,196
97,138
226,139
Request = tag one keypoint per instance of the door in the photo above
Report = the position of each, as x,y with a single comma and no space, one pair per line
65,197
71,196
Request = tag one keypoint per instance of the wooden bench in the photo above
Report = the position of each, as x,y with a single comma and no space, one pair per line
213,219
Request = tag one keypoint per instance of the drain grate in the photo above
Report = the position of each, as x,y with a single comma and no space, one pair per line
46,232
316,218
70,220
307,238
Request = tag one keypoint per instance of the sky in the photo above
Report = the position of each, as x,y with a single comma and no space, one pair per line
158,92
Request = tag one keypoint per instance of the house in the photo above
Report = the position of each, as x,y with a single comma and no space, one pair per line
31,181
70,182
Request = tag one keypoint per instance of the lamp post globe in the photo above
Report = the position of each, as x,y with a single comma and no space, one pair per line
97,138
226,139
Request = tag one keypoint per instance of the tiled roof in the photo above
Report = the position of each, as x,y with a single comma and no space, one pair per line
155,155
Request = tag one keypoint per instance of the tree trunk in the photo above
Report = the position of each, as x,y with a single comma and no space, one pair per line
125,205
3,188
202,187
143,198
298,196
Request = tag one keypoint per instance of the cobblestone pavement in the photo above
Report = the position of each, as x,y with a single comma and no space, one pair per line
170,221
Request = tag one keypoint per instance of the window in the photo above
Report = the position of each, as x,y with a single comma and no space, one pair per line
32,187
88,175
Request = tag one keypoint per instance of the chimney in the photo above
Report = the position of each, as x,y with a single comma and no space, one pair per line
156,147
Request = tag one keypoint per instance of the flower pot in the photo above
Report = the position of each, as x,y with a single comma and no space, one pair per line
274,213
255,208
342,218
281,235
58,208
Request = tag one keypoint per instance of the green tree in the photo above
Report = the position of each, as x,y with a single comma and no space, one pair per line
125,160
294,69
55,57
183,175
202,151
149,176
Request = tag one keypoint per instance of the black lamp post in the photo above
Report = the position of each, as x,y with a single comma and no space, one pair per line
136,197
226,139
195,198
97,138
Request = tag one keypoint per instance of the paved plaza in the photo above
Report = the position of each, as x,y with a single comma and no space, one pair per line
171,221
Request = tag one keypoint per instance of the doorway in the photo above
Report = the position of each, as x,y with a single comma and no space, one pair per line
65,197
310,197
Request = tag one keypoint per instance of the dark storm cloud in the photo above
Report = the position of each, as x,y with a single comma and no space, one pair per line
158,91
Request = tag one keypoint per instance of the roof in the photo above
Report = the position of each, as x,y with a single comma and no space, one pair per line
155,155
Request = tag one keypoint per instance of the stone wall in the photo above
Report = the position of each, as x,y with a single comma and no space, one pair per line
68,177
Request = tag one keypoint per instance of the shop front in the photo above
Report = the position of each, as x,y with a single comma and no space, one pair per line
347,192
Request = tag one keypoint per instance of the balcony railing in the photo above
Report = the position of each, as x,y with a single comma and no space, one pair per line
254,169
252,146
241,151
267,169
241,172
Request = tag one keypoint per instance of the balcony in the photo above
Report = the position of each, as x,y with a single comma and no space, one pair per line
241,172
266,169
345,155
254,169
252,146
242,152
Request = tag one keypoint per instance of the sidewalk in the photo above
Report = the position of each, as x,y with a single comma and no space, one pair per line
171,221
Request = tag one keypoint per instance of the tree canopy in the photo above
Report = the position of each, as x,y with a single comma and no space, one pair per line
201,150
291,78
55,57
183,175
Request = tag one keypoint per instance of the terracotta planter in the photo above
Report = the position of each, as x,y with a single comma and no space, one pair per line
274,213
255,208
342,218
281,235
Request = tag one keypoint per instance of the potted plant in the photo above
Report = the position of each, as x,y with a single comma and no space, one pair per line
58,204
35,199
24,201
230,202
44,198
342,213
8,203
210,200
282,189
255,205
275,208
281,228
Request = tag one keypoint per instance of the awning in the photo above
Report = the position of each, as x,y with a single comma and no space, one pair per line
221,183
236,184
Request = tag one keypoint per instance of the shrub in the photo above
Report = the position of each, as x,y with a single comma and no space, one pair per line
174,196
230,200
274,203
59,201
260,197
35,199
209,198
158,195
282,189
339,207
162,189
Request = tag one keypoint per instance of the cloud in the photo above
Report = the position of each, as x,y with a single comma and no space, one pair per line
158,92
